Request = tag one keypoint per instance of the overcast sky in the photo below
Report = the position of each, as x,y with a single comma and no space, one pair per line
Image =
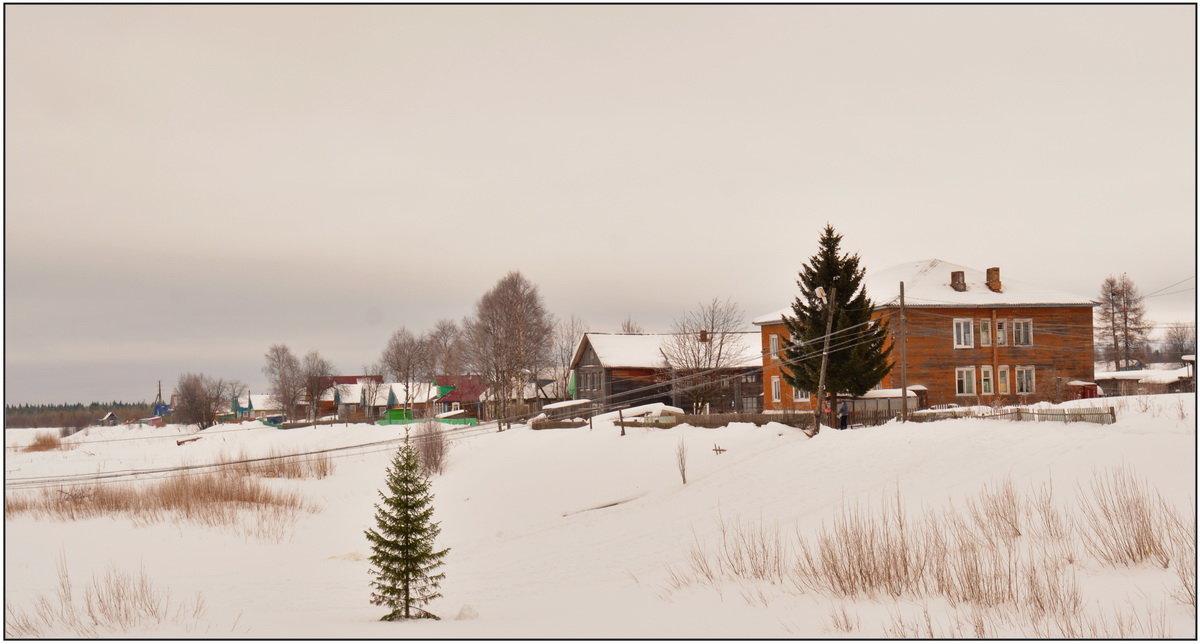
187,185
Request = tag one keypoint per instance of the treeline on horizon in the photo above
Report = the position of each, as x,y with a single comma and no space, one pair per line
73,415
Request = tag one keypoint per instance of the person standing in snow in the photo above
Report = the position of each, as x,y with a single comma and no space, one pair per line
843,415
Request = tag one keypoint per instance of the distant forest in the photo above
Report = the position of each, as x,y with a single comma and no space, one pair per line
72,415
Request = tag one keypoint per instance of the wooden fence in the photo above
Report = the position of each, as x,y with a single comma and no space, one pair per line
1097,415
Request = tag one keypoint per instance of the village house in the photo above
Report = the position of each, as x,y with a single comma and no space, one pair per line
1146,381
457,393
972,338
614,369
527,402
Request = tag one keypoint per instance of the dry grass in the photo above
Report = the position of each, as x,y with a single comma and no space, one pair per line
277,465
1004,564
432,448
841,621
210,499
1124,523
115,604
44,443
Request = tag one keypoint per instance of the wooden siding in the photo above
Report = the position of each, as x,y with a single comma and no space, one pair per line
1061,351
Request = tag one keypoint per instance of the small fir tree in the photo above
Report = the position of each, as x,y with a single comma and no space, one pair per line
858,352
404,561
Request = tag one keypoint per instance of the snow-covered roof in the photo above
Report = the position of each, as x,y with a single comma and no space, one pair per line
927,284
531,391
421,392
349,393
567,403
644,350
892,393
1146,376
259,402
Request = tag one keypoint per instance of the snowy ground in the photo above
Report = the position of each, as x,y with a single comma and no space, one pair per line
571,532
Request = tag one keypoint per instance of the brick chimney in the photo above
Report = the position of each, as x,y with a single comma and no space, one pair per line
958,281
703,335
993,279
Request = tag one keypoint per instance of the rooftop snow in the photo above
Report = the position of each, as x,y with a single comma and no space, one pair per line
927,283
644,350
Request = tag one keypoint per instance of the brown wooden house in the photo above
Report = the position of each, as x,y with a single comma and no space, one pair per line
618,369
971,338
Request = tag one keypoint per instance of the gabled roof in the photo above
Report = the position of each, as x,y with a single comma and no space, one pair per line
927,284
644,350
259,402
422,392
466,388
533,390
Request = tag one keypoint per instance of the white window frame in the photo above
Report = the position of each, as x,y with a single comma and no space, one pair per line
1001,333
1029,369
985,332
799,395
970,381
1017,324
776,393
964,330
774,346
1002,380
987,384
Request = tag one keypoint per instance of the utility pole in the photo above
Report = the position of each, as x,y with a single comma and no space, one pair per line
829,301
903,360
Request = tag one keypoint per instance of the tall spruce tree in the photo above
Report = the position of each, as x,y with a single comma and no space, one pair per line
404,561
858,352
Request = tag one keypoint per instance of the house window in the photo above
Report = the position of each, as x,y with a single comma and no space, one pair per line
799,395
964,381
776,395
1024,379
985,333
1022,333
748,379
1001,333
750,404
985,380
1002,379
774,347
962,334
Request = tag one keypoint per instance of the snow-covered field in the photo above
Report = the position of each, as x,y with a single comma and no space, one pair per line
582,533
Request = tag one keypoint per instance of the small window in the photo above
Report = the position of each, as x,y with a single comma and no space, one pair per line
985,380
1022,333
964,381
1001,333
1002,380
1025,383
774,347
776,394
985,333
799,395
962,334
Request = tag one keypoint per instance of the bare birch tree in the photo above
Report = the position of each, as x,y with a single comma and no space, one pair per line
509,338
371,388
446,348
283,372
566,338
1180,341
629,326
317,374
704,340
407,360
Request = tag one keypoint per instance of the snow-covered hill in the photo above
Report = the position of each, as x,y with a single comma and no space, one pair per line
576,532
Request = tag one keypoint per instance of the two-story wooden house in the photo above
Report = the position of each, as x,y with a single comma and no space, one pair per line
620,369
971,338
